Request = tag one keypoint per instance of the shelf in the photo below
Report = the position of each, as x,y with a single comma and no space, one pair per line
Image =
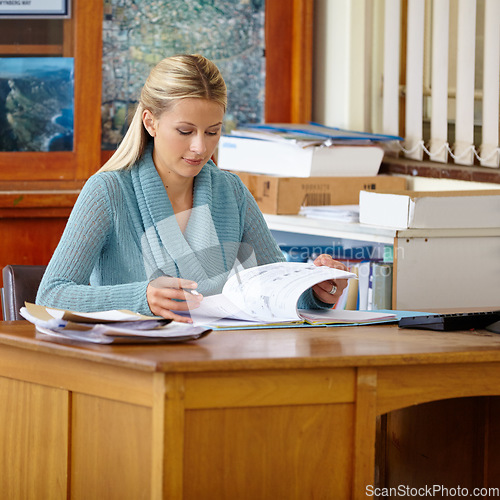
362,232
24,50
405,166
332,229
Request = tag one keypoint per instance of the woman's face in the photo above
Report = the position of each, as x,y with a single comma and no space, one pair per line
185,136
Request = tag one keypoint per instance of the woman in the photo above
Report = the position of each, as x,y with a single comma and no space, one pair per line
159,218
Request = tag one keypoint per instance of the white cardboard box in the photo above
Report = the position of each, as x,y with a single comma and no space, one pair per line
291,160
432,209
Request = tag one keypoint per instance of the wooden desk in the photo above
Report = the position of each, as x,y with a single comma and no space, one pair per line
266,414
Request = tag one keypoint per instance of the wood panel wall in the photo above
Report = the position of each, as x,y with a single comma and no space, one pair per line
38,190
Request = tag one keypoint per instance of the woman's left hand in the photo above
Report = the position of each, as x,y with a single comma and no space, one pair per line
323,290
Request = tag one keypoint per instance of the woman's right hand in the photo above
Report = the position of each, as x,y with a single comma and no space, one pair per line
166,295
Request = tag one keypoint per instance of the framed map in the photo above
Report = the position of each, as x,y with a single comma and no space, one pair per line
139,33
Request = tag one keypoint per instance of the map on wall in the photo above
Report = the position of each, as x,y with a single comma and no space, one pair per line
36,103
139,33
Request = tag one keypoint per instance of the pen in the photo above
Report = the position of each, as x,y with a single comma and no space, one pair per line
185,290
237,275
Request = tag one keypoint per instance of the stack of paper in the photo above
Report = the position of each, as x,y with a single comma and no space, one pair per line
302,150
339,213
108,327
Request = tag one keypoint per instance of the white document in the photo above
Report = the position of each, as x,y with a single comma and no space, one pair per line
97,316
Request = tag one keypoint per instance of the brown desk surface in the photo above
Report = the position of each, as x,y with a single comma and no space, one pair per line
373,345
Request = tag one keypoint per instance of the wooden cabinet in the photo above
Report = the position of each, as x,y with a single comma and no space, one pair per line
253,414
442,444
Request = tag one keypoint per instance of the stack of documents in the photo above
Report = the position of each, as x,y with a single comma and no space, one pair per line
302,150
108,327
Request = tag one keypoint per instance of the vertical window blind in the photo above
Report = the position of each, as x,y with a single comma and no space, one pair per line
449,87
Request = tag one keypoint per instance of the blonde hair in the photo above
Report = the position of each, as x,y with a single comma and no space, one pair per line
173,78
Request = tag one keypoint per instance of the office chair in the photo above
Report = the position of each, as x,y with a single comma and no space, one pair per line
20,285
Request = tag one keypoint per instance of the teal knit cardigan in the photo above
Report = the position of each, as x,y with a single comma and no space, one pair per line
122,233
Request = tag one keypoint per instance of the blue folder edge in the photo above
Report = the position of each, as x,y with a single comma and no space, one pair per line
321,131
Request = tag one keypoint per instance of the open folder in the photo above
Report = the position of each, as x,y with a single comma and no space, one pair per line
268,295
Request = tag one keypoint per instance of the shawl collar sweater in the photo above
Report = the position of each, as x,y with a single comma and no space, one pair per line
122,233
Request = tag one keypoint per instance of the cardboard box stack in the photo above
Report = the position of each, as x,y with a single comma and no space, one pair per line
285,195
286,166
